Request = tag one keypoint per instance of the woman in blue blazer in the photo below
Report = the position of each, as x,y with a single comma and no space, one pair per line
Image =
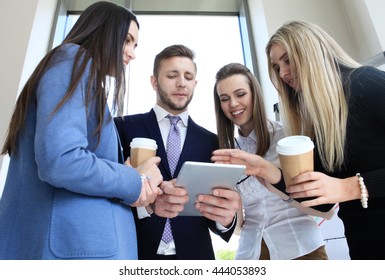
67,192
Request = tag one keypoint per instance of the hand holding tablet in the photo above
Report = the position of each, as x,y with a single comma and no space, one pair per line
202,178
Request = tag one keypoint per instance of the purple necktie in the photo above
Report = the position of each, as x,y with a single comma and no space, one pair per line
173,143
173,152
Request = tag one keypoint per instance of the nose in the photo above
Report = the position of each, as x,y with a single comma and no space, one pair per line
283,71
233,102
130,53
181,82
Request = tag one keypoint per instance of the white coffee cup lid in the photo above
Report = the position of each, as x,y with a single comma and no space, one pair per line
145,143
294,145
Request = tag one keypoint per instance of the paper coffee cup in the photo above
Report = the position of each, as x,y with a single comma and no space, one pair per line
295,155
141,150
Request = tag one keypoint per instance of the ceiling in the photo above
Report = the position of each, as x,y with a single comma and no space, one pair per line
173,6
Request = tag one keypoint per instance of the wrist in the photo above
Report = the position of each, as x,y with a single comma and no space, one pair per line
273,173
149,209
363,191
357,190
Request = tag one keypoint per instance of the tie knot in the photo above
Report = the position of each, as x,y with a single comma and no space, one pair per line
173,119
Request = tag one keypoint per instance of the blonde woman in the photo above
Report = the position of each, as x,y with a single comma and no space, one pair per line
331,98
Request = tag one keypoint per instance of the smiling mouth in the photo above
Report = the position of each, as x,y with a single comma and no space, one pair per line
237,113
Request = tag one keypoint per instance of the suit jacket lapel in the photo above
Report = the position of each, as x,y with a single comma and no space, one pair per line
153,131
152,127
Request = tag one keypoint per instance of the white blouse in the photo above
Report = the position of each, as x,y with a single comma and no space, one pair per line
288,232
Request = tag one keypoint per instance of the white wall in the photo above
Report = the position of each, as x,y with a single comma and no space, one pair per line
376,10
12,55
268,15
26,31
362,28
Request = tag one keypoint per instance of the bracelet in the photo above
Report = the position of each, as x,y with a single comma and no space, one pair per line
364,191
144,177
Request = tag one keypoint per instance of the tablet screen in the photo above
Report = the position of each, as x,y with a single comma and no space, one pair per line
203,177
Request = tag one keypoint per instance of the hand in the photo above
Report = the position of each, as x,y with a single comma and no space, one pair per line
150,184
255,165
323,189
221,206
172,201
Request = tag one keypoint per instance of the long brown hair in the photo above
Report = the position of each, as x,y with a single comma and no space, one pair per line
100,31
225,127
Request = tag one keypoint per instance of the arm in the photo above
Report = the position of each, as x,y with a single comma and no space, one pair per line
255,165
65,145
324,188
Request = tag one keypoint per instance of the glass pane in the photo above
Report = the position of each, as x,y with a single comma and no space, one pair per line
215,40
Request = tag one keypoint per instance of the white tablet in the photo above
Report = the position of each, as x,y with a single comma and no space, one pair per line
203,177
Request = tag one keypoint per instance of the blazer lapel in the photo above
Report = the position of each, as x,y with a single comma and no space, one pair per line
152,127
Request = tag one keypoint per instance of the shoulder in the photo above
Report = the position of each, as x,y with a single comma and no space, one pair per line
277,130
65,52
61,62
366,70
366,92
69,48
203,131
366,82
365,76
132,119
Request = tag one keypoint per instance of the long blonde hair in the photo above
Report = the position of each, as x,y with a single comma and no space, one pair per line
320,110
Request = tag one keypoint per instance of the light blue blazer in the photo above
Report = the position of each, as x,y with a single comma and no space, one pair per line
56,201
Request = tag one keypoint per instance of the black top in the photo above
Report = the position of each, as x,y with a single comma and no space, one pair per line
365,154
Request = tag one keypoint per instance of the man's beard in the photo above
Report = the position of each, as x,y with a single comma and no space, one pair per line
168,102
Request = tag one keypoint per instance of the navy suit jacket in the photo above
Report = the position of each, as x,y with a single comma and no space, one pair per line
191,234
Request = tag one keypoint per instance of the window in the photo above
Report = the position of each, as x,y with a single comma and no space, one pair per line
216,41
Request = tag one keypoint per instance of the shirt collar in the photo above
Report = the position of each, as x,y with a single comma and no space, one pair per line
252,135
162,113
244,139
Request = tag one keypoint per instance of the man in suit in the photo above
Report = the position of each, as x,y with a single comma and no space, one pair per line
174,82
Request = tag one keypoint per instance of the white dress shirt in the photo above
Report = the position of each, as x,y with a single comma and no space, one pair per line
288,232
164,126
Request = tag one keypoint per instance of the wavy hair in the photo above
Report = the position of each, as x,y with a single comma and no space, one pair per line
322,67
